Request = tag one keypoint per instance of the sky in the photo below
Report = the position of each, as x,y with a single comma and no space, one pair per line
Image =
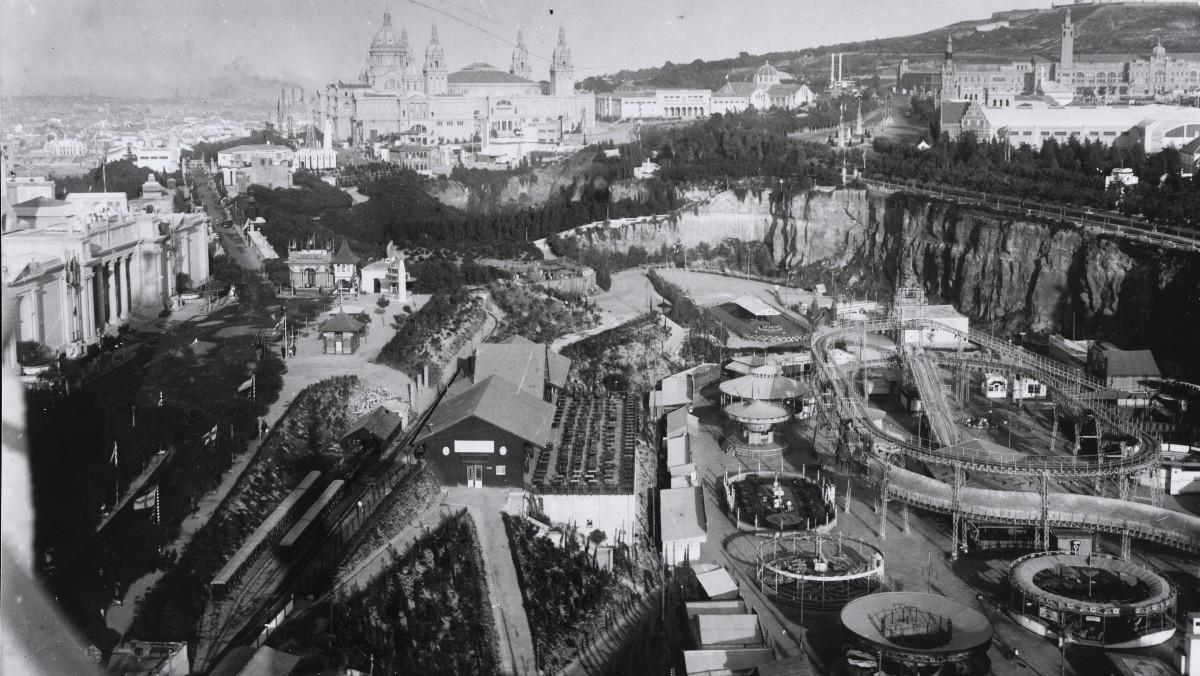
152,47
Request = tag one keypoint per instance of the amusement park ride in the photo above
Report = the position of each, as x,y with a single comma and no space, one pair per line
1075,595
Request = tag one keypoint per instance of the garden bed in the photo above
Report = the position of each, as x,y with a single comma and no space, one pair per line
541,314
428,613
625,358
431,335
567,597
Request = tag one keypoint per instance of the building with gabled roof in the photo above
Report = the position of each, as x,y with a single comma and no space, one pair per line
533,367
482,434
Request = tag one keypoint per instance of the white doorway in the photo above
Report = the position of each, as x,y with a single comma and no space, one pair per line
474,476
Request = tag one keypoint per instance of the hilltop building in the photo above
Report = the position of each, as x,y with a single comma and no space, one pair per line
262,164
395,94
1104,77
767,90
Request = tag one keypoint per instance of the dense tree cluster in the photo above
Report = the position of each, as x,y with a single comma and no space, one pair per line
1065,173
120,176
748,144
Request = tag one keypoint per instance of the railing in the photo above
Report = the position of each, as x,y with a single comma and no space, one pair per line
1105,222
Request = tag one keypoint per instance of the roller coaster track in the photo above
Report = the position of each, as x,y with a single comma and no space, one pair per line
933,400
1043,508
1074,389
1067,510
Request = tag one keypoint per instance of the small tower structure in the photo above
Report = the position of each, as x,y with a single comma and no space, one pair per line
520,58
562,67
435,66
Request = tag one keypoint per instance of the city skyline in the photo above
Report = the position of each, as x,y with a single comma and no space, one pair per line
132,48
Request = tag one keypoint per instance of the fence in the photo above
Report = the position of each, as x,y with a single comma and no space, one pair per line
1104,222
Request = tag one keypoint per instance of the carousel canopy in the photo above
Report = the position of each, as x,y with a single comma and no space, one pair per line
757,387
757,411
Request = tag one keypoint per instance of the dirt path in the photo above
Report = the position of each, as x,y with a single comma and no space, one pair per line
508,608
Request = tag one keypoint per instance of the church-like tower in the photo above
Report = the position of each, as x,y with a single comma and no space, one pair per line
520,58
562,70
1066,61
949,74
435,65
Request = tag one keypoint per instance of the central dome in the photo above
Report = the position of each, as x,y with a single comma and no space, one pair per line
767,74
386,38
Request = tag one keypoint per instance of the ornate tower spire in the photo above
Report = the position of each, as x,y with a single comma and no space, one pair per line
562,70
520,58
435,65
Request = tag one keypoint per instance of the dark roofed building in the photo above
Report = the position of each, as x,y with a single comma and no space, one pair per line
482,435
375,429
341,333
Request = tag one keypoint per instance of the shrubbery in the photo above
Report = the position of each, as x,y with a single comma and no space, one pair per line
565,592
541,315
429,613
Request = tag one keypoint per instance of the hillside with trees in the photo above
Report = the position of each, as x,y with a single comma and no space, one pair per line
1133,27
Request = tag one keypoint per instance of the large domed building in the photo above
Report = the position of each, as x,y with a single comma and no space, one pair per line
425,101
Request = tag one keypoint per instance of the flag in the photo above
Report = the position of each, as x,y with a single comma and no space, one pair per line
279,326
246,385
211,435
112,459
148,500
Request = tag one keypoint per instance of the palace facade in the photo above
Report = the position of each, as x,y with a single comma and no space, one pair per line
396,95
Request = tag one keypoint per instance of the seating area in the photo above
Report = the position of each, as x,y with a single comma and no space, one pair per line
594,446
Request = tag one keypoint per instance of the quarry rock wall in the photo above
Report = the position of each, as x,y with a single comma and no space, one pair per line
1007,272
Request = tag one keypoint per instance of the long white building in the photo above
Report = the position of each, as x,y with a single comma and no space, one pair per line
767,90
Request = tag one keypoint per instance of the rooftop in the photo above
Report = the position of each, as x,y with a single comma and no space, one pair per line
342,323
526,364
1119,363
681,511
498,402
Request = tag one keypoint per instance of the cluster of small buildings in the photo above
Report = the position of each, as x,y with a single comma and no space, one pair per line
319,268
80,268
767,90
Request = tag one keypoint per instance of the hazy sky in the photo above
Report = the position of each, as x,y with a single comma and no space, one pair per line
143,46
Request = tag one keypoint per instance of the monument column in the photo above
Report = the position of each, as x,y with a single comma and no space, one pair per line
110,279
127,283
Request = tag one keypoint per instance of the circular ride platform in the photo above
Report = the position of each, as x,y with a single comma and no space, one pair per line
817,571
920,633
1092,599
775,502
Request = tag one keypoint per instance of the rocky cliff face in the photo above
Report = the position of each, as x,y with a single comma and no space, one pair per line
1007,273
